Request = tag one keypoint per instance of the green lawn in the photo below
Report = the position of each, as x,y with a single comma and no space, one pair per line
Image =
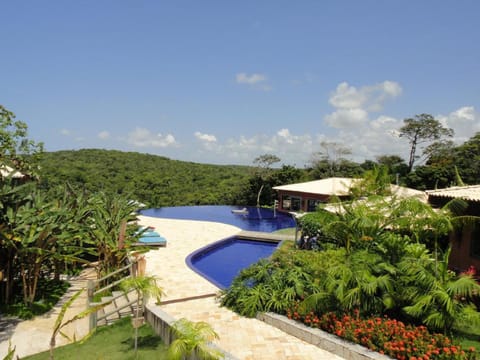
287,231
112,343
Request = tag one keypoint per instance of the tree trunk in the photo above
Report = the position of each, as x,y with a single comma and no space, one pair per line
258,195
413,149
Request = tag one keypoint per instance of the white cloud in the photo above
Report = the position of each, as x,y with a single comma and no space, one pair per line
243,78
208,141
65,132
103,135
142,137
205,137
465,121
385,122
257,81
343,118
347,97
353,105
391,88
290,148
370,97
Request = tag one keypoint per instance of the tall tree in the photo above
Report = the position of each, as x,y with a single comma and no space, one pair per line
264,171
467,159
420,130
20,153
15,147
333,154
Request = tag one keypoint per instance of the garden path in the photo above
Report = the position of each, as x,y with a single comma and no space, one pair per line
33,336
242,337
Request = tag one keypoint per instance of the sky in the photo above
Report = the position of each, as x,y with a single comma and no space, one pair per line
223,82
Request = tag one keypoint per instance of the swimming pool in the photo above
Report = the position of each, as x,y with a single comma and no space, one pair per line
223,260
257,219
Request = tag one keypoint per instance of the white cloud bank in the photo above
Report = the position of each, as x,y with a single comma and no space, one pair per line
465,121
368,137
355,122
141,137
353,105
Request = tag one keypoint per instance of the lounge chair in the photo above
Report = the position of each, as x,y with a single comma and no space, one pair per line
148,237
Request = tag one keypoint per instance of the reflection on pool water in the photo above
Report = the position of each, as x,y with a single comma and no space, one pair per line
223,260
256,219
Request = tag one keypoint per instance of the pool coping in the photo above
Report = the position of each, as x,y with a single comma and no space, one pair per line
149,212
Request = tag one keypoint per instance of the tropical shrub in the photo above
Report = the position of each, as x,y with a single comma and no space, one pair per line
437,296
193,338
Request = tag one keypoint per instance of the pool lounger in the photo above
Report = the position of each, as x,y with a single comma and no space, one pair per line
148,234
152,241
145,230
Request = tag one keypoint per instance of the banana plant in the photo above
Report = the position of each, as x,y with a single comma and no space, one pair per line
107,214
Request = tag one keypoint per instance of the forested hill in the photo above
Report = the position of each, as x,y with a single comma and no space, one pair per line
153,180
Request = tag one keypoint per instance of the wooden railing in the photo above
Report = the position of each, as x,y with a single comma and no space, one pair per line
94,288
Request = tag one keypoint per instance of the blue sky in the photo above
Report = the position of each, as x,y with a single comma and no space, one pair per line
226,81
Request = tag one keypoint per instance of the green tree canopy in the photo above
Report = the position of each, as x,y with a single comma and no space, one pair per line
422,129
15,147
264,171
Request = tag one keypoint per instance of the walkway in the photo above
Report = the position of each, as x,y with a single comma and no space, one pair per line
33,336
242,337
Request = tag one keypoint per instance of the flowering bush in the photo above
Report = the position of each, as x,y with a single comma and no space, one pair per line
386,336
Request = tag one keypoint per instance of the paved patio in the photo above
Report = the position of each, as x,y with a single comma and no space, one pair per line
33,336
242,337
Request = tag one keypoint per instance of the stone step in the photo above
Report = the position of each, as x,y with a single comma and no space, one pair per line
117,300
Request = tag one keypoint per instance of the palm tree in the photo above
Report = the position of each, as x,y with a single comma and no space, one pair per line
193,337
144,286
438,297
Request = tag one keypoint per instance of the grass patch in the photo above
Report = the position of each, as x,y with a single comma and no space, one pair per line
48,293
469,337
114,342
287,231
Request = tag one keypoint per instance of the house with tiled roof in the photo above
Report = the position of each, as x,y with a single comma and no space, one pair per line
465,242
306,196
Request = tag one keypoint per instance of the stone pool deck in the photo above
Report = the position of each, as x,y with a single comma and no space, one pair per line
243,338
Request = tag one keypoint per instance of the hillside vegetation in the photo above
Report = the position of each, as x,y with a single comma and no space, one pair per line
151,179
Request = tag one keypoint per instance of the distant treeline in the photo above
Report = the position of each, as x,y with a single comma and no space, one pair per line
158,181
150,179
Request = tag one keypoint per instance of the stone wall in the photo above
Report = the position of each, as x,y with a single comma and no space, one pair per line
320,338
162,322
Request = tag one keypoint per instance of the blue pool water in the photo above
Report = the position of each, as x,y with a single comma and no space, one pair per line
222,261
257,219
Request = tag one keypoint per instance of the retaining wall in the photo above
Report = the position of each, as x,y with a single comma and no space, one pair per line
320,338
162,323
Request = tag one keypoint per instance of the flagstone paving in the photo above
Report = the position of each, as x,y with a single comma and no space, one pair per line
33,336
242,337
